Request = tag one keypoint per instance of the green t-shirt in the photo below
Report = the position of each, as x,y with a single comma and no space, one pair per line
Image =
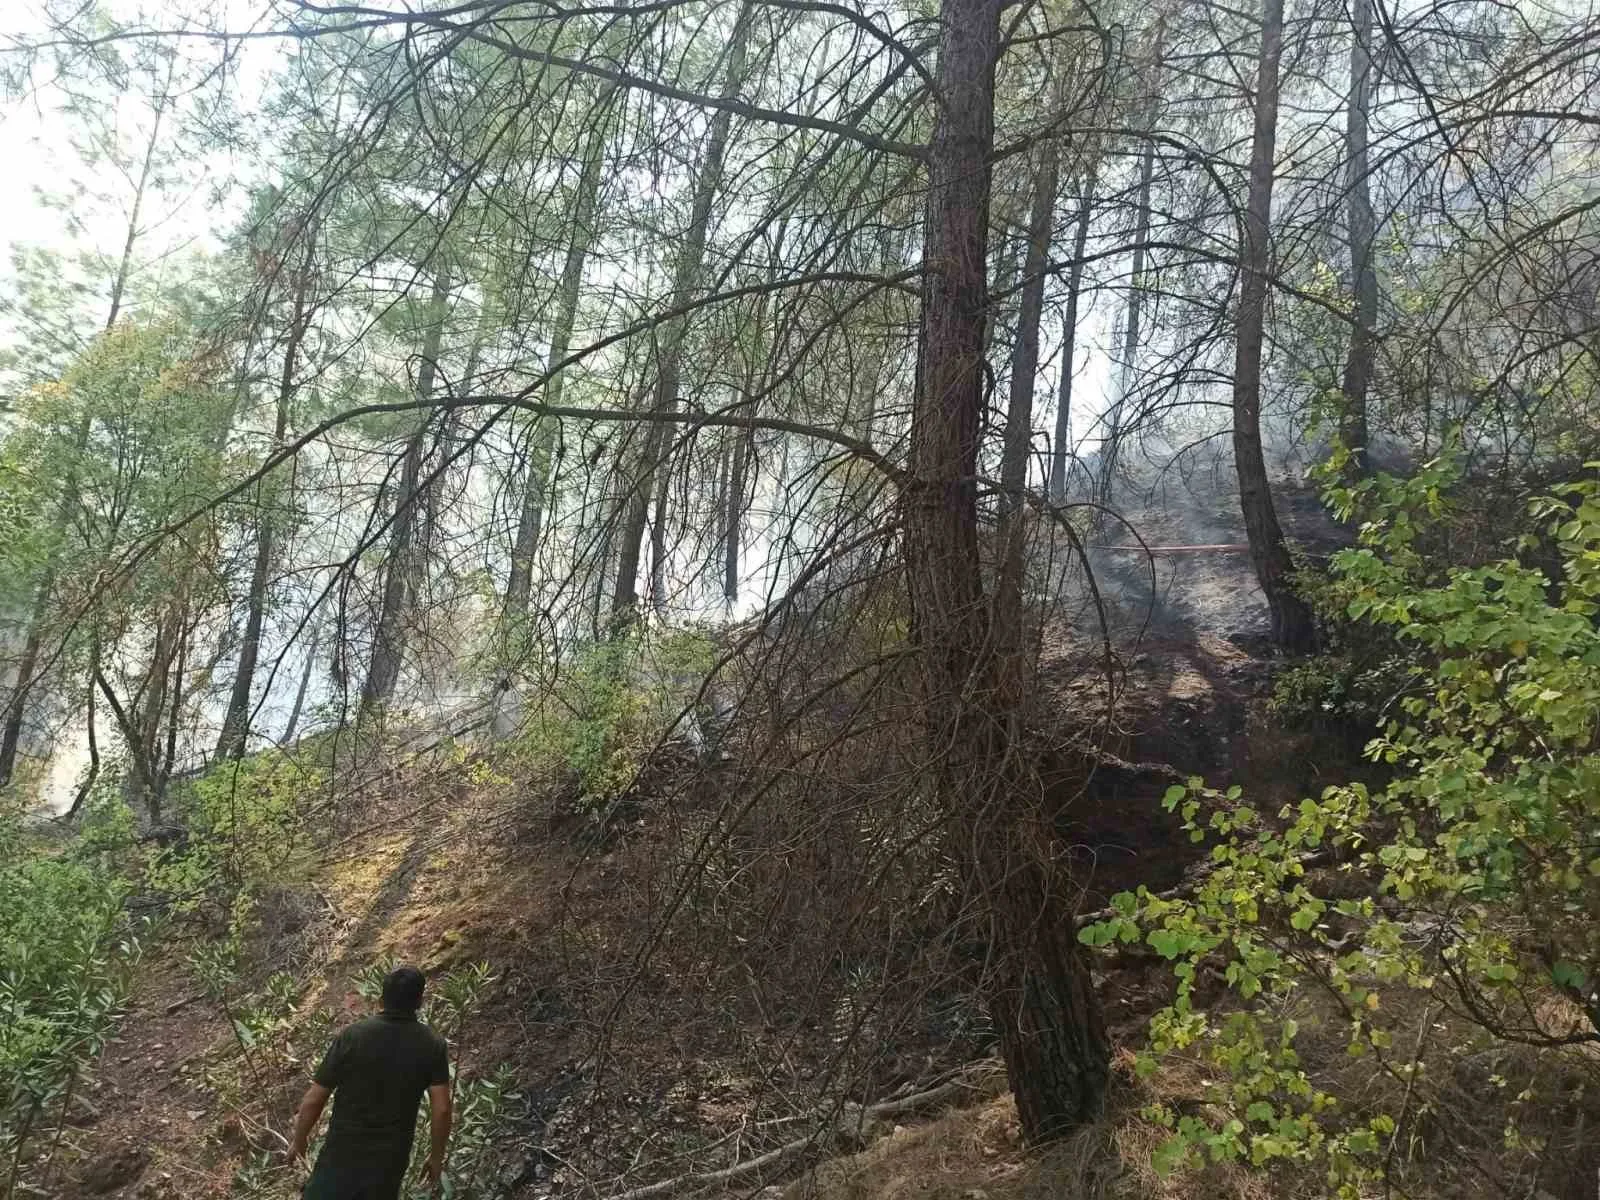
378,1070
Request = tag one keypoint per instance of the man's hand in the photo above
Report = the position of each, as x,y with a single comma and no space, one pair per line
432,1173
305,1120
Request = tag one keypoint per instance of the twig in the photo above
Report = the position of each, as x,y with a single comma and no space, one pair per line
848,1116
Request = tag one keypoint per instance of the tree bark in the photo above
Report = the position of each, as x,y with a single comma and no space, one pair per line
686,278
1037,984
388,643
1061,450
1291,618
530,522
1360,358
236,723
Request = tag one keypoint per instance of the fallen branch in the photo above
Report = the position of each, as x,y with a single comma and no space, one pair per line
979,1078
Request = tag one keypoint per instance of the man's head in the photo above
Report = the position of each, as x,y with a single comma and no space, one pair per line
402,990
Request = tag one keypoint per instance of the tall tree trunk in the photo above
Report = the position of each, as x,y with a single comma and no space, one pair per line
1061,450
1019,407
1291,618
733,518
119,282
298,707
658,534
435,494
1132,328
401,566
16,713
27,669
686,278
736,495
1037,984
519,584
236,723
1359,361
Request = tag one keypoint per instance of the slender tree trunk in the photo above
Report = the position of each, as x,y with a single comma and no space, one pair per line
686,278
298,707
1360,359
27,669
236,724
435,494
143,720
1037,984
736,495
1291,618
658,536
119,282
168,759
1019,407
16,712
399,584
733,520
1061,449
92,775
519,584
1132,329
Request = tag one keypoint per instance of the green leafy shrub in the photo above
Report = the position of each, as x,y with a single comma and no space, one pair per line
66,952
605,713
1461,913
245,829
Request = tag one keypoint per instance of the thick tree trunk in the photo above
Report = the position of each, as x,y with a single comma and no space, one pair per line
1292,627
530,521
1360,359
686,279
1037,987
236,724
401,567
1061,449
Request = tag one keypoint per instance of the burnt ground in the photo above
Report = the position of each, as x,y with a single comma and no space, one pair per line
447,874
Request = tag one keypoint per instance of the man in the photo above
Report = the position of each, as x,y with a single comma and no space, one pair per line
377,1070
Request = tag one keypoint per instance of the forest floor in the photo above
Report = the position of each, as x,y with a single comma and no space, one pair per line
433,869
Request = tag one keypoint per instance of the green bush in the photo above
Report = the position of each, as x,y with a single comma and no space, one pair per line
67,948
1478,865
246,829
605,712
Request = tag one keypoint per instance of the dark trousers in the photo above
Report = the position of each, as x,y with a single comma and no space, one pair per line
334,1181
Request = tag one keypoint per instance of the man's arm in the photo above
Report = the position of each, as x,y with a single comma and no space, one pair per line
306,1118
439,1117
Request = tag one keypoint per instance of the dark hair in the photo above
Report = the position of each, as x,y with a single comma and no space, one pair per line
402,990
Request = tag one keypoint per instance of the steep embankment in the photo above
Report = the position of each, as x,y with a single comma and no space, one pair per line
643,1049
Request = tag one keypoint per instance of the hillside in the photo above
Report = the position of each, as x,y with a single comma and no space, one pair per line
636,1052
925,598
